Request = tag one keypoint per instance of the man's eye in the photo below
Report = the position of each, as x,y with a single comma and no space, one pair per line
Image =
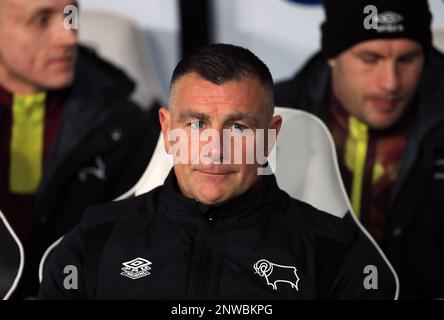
197,124
369,59
407,59
41,20
238,127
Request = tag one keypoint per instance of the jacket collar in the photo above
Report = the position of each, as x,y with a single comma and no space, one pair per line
97,84
428,112
248,208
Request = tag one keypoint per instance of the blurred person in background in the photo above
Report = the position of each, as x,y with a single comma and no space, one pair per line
378,83
69,135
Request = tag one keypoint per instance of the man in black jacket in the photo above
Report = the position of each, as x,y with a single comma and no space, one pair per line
217,228
379,86
69,135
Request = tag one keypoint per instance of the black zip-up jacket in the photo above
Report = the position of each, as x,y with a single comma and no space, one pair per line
261,245
414,233
104,144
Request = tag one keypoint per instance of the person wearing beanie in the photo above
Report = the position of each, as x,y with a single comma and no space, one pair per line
378,84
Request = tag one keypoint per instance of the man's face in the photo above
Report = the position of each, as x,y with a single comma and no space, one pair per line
376,80
235,107
36,51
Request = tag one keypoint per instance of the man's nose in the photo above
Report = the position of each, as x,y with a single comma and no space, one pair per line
217,152
389,77
66,34
69,37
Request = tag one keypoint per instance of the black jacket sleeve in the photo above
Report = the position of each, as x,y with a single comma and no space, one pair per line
71,269
64,272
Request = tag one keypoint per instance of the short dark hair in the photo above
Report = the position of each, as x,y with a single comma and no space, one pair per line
220,63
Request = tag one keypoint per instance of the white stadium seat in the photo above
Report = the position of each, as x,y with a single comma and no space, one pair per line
121,41
438,38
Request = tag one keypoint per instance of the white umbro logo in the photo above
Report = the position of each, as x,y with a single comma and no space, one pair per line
389,17
385,22
136,269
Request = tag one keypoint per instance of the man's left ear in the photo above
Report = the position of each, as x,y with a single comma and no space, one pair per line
332,62
276,123
165,122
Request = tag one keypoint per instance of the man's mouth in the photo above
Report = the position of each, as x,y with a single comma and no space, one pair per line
214,171
63,61
384,105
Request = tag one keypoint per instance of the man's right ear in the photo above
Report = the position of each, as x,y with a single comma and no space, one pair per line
165,123
332,62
